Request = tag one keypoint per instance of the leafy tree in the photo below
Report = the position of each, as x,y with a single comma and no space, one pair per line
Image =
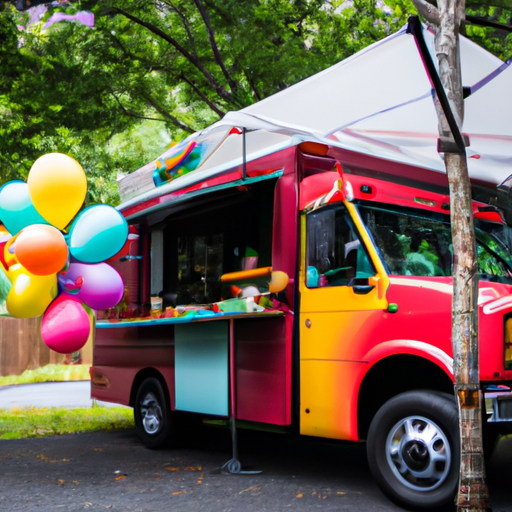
177,64
180,63
489,23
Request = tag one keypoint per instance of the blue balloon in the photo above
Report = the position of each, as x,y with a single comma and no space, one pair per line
97,233
16,208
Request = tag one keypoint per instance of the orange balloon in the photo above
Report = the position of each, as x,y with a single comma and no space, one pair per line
41,249
278,281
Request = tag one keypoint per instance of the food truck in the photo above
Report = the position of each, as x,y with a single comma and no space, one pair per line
297,282
355,346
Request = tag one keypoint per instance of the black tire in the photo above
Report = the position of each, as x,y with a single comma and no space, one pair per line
417,467
152,414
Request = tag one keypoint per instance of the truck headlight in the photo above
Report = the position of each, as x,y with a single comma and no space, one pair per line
508,344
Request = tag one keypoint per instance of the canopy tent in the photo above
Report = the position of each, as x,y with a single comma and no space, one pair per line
380,101
377,102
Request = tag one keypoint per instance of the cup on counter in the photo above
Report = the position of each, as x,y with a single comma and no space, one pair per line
156,306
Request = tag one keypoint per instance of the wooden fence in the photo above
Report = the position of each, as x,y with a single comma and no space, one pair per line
22,348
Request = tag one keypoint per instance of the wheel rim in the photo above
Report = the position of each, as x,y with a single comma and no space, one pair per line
418,452
151,414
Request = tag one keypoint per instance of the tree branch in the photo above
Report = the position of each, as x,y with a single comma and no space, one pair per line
427,11
185,23
472,4
212,105
213,44
250,81
127,54
191,58
477,20
166,114
131,113
227,16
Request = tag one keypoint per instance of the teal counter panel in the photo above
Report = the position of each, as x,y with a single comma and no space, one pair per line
202,367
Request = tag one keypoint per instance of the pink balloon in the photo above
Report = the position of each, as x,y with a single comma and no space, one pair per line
97,284
65,327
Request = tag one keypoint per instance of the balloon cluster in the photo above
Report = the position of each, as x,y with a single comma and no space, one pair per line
54,254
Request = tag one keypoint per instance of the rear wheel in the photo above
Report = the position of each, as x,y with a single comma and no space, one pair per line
413,449
152,414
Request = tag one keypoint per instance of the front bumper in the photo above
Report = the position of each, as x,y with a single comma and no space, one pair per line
498,401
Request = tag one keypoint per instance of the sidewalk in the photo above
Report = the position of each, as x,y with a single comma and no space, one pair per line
74,394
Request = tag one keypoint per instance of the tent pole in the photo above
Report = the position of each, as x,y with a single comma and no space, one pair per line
461,141
244,156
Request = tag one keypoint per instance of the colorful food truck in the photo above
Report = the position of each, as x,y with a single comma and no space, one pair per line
292,266
303,290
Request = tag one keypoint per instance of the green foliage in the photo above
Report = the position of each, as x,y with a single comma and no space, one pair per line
48,373
497,41
177,65
20,423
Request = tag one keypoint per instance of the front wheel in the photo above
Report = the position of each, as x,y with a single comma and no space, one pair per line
152,414
413,449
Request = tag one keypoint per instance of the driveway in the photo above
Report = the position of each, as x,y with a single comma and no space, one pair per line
47,394
114,471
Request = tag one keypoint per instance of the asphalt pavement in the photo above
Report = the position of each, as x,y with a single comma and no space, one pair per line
114,471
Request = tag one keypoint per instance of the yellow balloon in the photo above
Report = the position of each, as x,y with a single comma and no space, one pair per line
57,185
278,281
30,295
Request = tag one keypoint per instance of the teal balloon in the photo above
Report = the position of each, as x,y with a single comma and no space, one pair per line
16,208
97,233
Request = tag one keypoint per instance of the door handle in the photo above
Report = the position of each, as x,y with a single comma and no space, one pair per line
363,289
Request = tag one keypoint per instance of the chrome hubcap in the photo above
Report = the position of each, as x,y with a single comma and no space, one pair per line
151,413
419,454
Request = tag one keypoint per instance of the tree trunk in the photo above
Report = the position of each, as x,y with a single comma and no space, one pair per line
473,494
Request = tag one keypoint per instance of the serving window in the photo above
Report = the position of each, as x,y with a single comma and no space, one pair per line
227,232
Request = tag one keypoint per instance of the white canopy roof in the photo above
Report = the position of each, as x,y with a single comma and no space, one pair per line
380,102
377,102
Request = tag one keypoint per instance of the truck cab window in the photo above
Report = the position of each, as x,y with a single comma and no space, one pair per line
493,249
336,255
410,245
157,257
419,243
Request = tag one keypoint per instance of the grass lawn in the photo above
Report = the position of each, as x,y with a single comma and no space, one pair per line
23,422
49,373
20,423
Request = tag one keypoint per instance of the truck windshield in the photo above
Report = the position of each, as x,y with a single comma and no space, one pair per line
418,243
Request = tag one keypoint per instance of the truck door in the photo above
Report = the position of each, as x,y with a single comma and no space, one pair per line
342,301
